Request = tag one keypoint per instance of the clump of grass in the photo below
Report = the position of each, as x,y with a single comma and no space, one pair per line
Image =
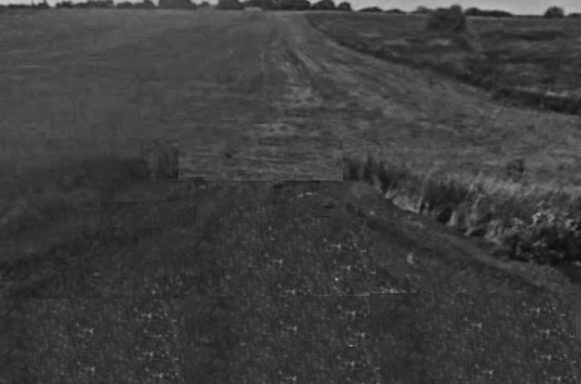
373,172
515,169
447,20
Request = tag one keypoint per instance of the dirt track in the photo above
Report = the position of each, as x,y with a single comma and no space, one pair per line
271,99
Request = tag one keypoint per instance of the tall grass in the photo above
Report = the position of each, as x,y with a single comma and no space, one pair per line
502,211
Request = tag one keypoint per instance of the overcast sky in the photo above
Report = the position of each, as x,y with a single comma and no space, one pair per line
515,6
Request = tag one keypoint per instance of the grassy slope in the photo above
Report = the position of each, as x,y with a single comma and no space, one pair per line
535,57
85,90
453,138
123,77
428,121
180,241
300,102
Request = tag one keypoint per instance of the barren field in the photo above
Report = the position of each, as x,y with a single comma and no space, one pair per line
264,261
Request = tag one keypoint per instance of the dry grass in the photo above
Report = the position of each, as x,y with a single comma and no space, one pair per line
79,96
528,61
81,105
87,94
500,210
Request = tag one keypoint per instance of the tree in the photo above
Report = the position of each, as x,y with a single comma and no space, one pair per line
324,5
292,5
554,13
146,4
344,6
229,4
125,5
176,4
371,9
93,4
485,13
447,20
204,4
64,4
421,10
395,11
43,5
267,4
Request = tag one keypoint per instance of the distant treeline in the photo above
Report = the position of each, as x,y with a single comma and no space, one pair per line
291,5
421,10
295,5
145,4
286,5
42,5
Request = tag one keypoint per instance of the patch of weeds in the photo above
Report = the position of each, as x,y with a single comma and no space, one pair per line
515,169
528,230
437,194
447,20
351,168
374,172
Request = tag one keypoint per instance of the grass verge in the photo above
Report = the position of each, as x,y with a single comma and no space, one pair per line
524,223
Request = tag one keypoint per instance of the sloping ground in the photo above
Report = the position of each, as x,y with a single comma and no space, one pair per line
326,282
440,140
528,61
219,84
274,282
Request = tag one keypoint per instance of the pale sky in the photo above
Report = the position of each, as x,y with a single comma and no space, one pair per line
514,6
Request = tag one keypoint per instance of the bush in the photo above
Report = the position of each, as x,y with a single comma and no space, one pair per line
125,5
371,9
421,10
344,6
146,4
485,13
395,11
447,20
554,13
204,4
574,15
288,5
229,4
176,4
324,5
64,4
42,5
94,4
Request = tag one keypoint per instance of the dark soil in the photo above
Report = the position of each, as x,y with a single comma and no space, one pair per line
289,282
